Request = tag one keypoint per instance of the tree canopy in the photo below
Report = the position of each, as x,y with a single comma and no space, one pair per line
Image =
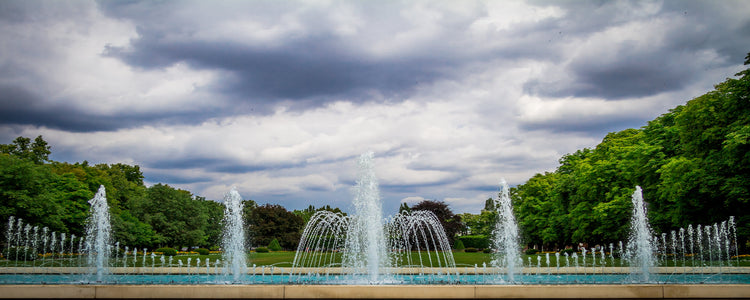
693,164
450,221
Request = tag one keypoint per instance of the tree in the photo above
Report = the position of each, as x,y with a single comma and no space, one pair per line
214,228
176,217
479,224
450,221
37,152
272,221
692,163
274,245
489,204
404,208
27,191
308,212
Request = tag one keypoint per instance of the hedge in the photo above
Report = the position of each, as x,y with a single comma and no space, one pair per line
20,253
475,241
166,251
274,245
459,245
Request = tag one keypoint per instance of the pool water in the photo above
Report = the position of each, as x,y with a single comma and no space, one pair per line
561,279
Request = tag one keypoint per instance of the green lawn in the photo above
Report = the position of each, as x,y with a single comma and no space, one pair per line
285,259
280,258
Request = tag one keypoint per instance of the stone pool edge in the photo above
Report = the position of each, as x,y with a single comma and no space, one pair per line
639,291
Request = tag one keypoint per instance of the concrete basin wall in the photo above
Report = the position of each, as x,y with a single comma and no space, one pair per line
375,291
400,270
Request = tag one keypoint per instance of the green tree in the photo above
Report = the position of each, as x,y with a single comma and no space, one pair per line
176,217
213,229
489,204
693,164
274,245
308,212
450,221
26,191
479,224
272,221
37,152
404,208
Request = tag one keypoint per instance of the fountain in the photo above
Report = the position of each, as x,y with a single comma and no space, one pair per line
367,245
233,241
365,239
505,235
98,235
640,251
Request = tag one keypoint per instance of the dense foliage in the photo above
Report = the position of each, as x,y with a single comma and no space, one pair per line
55,195
270,221
450,221
693,164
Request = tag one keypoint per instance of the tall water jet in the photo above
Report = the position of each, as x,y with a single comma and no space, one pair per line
640,249
505,234
365,242
233,241
98,234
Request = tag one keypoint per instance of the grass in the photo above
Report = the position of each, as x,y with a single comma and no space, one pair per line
285,259
278,258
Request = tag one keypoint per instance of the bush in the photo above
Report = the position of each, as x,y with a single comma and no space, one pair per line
475,241
202,251
274,245
261,250
21,253
166,251
488,250
459,245
471,249
531,251
569,251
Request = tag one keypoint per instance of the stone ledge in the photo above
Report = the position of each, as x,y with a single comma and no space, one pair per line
405,270
730,291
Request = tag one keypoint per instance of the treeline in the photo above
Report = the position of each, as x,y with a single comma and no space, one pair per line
693,164
55,195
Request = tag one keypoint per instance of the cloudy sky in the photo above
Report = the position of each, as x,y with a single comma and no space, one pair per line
279,98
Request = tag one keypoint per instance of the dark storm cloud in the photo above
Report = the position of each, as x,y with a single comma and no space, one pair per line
627,68
306,69
590,125
309,70
20,106
633,75
175,178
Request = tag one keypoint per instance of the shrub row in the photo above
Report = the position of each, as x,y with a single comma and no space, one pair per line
475,241
20,253
166,251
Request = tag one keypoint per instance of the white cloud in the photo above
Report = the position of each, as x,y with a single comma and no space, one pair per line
500,90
